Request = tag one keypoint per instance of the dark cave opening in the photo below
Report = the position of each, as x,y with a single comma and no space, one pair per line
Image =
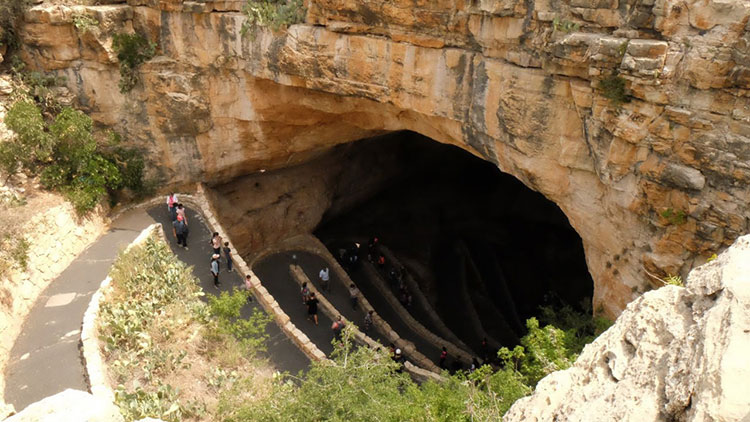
485,250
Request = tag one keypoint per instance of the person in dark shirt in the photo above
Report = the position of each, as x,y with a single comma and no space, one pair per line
312,308
443,357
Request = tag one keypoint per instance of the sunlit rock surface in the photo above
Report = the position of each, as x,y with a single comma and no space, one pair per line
656,182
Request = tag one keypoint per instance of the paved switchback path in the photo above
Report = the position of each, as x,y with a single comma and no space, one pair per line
283,353
46,359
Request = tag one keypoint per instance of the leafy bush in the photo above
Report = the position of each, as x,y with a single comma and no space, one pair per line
70,158
11,12
565,25
674,280
555,346
132,50
613,88
33,142
162,404
158,335
14,249
362,384
84,22
673,217
276,14
251,332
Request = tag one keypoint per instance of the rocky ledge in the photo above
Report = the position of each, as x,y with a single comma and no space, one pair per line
675,354
632,116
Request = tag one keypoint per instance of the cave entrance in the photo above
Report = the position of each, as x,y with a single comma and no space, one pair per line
482,247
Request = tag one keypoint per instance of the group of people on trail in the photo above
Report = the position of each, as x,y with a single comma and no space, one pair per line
179,220
216,245
310,300
180,229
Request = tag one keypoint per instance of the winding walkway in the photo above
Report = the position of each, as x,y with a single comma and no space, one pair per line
46,359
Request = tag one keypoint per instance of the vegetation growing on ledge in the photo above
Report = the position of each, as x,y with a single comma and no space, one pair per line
11,12
275,14
171,355
673,217
60,144
132,51
613,88
363,384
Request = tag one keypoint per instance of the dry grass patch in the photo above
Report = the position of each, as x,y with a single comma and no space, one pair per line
170,355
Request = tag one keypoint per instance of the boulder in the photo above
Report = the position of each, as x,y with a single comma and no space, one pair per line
69,406
676,353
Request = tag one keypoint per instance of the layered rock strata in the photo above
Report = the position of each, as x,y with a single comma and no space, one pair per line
632,116
675,354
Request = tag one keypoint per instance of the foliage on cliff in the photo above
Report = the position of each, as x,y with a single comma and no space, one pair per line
65,151
276,14
132,51
170,355
361,384
11,12
364,385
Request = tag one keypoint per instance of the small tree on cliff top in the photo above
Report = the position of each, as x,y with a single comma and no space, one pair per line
276,14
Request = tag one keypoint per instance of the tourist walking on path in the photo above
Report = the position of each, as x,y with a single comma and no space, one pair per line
372,249
172,205
228,255
368,320
312,308
216,243
215,268
325,280
399,359
443,357
305,292
353,292
337,326
181,212
179,229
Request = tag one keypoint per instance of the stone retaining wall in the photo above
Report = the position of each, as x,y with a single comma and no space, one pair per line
425,368
313,244
200,202
420,297
93,361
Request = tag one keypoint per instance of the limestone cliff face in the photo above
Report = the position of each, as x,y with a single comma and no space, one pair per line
675,354
515,82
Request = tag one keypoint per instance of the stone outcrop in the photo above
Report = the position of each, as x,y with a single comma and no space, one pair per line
674,354
651,166
69,406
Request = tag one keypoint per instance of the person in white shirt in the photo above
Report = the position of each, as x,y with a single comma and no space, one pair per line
325,279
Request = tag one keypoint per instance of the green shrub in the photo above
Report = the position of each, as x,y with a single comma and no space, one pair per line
673,217
69,156
11,12
613,88
674,280
33,143
563,25
250,332
276,14
84,23
362,384
162,404
555,346
14,249
132,50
